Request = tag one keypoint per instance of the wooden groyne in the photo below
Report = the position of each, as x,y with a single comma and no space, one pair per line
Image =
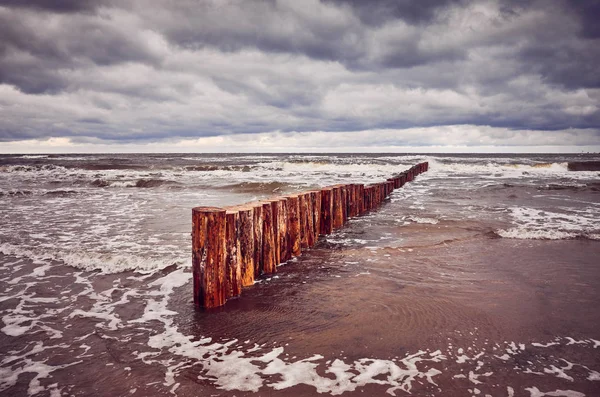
233,246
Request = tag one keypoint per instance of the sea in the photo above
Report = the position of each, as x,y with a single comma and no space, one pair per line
479,278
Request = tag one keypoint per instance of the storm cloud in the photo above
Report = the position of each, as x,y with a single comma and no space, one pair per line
125,72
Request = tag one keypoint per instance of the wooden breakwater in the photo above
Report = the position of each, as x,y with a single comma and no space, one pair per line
233,246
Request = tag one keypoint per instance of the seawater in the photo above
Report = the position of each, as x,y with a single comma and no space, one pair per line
478,278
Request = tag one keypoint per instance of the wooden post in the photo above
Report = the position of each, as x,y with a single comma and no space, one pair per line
268,239
233,270
246,236
315,198
351,200
361,199
306,220
208,256
345,199
257,215
293,227
367,196
326,223
337,215
276,232
282,222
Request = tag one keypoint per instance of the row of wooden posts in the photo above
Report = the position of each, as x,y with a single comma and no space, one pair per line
233,246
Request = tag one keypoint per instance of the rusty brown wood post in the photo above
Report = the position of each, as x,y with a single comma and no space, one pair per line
276,231
390,187
361,199
351,200
315,198
367,198
257,217
268,239
338,211
233,270
246,235
326,223
308,225
344,203
208,256
282,222
293,227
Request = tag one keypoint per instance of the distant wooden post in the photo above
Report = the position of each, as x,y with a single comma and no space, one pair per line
208,256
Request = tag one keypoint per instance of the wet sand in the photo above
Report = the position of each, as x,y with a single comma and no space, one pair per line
472,313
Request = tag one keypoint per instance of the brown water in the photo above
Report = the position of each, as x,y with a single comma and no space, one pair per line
433,295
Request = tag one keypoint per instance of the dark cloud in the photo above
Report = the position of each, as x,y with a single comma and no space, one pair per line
61,6
377,12
149,70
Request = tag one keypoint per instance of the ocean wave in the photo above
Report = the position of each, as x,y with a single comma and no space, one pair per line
257,187
212,167
499,169
31,168
106,263
520,233
13,193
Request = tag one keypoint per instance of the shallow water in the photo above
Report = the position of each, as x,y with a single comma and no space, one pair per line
478,278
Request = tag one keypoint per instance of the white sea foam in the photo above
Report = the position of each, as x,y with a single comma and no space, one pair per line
539,224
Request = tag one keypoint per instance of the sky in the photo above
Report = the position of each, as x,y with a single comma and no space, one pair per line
299,76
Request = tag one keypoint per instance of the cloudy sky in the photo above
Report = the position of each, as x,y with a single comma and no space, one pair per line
299,75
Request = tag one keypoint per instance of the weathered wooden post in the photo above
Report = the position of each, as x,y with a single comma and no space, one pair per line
208,256
282,222
344,203
306,220
246,236
361,198
326,223
367,198
338,215
233,270
268,239
293,227
315,198
257,217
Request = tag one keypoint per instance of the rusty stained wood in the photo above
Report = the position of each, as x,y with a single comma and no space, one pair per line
306,221
315,198
208,256
282,230
246,247
257,216
293,225
326,223
268,239
233,270
338,211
